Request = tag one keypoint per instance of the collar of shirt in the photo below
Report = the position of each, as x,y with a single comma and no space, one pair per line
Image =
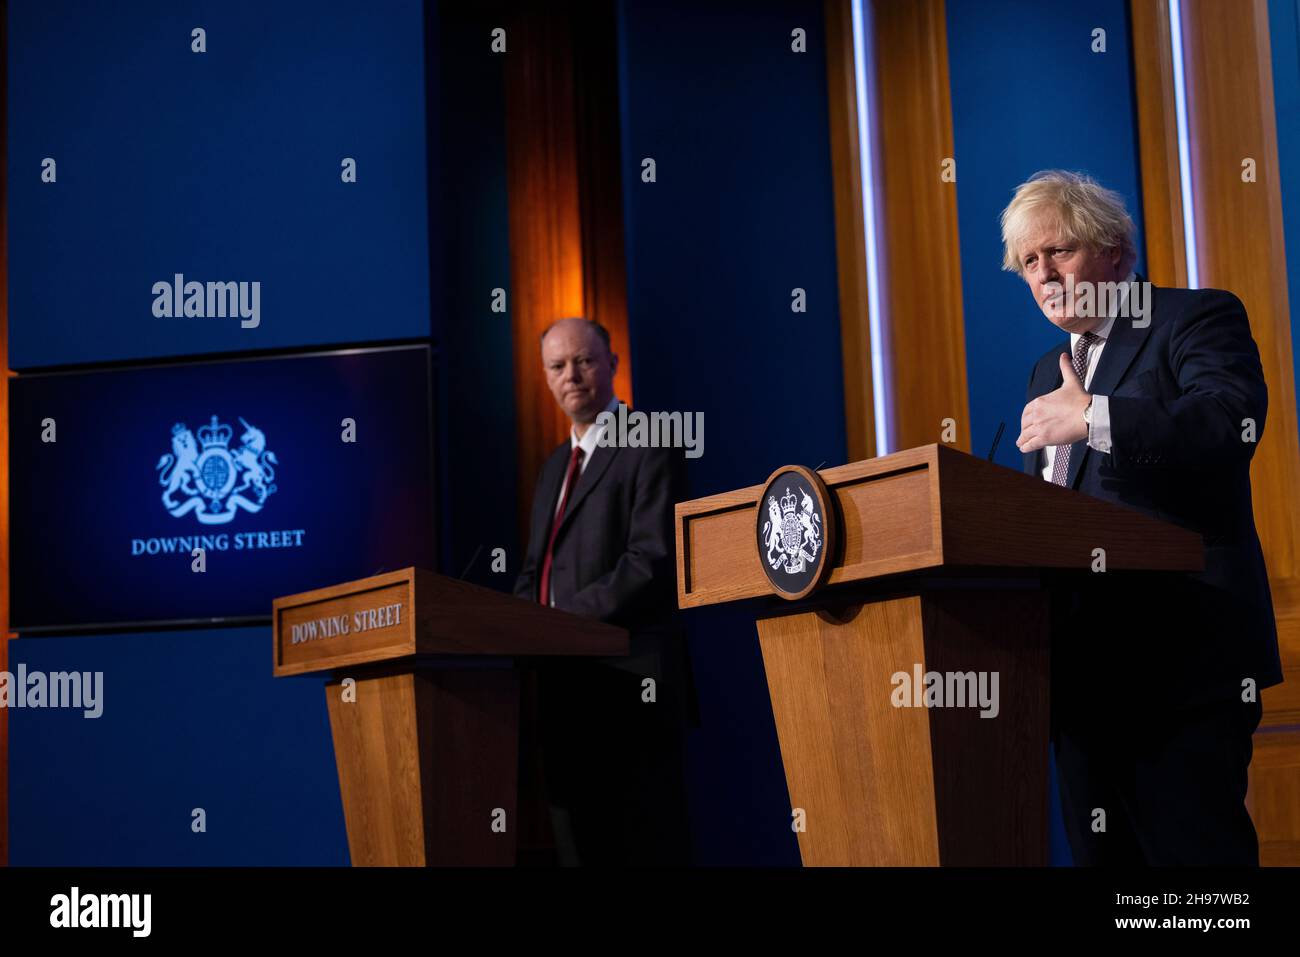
591,438
1103,330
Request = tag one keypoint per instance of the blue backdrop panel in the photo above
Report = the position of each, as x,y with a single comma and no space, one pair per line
1028,93
220,166
1284,35
741,214
97,538
190,720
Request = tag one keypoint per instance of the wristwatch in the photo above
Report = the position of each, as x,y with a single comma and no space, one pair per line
1087,412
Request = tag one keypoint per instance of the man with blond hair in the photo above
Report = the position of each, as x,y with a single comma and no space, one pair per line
1156,402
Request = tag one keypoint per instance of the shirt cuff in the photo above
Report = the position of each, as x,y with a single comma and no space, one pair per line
1099,427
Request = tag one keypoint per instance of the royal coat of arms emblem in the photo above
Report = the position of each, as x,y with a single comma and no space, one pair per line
796,530
210,479
794,536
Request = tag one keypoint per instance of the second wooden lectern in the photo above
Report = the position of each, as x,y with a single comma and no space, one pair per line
911,692
424,706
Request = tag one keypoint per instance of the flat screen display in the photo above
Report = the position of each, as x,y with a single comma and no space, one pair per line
200,491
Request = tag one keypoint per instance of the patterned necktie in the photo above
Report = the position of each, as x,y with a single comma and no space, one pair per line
1061,461
570,480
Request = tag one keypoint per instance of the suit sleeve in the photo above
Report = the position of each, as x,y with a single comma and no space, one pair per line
1215,363
645,574
1030,459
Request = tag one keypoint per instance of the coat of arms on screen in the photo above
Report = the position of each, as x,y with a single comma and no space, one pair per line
210,479
793,535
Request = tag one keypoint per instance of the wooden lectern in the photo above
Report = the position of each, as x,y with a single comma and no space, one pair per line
427,738
938,568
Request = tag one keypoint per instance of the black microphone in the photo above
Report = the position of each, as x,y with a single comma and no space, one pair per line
996,439
477,552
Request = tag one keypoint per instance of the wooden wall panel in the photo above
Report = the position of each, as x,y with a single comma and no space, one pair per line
564,186
1162,204
4,425
1274,785
850,236
919,249
1240,247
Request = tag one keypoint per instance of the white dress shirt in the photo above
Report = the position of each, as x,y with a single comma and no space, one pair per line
1099,428
589,441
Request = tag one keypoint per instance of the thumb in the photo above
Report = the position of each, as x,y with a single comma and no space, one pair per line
1067,371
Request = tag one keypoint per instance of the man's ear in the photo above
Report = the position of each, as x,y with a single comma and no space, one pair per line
613,362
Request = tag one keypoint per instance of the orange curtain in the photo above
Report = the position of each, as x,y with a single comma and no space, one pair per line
564,186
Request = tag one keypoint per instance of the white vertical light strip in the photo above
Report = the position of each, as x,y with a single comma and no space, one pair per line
1184,144
862,62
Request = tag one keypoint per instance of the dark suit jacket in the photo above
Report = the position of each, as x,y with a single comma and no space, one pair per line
615,554
611,759
1179,391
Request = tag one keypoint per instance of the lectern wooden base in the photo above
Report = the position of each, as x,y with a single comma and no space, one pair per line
862,769
441,748
424,707
935,568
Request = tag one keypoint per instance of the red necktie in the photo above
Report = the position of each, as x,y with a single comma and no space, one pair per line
570,480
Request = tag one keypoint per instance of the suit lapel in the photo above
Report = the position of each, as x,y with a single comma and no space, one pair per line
595,470
549,490
1122,346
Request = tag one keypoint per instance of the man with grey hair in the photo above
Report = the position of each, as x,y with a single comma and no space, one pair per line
1155,402
601,545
